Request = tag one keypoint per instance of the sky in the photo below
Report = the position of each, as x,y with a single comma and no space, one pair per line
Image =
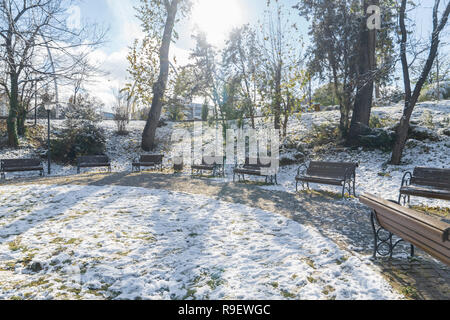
216,17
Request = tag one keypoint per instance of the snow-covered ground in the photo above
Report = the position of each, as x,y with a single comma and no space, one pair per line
373,175
59,242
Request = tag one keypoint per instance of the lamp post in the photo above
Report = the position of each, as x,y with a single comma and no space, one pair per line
48,107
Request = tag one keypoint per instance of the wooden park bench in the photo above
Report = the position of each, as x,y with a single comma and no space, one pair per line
93,162
148,161
425,232
213,164
331,173
425,182
20,165
256,167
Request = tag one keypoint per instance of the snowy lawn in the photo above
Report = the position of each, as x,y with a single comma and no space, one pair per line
130,243
373,175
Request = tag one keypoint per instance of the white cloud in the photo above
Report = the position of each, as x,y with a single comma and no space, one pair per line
124,18
74,19
116,65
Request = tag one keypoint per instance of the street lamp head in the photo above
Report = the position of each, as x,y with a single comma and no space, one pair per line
48,106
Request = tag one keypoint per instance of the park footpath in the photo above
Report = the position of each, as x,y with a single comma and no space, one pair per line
346,222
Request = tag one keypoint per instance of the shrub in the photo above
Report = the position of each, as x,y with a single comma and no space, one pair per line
422,134
390,95
82,139
377,122
121,118
323,134
378,139
175,111
81,134
325,95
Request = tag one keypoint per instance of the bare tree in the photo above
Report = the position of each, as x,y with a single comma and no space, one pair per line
38,44
152,14
412,96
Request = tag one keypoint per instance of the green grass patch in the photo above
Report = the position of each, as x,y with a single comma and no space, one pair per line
311,279
341,260
16,245
410,292
328,289
288,295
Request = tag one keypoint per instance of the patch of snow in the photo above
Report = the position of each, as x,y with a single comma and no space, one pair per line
171,246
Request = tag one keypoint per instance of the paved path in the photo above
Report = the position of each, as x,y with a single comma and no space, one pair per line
345,222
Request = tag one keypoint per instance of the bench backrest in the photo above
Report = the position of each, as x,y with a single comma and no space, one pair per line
257,163
432,177
210,160
20,163
330,169
151,158
93,159
426,232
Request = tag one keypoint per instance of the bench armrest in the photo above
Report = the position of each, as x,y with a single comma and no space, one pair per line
406,181
302,166
349,172
446,235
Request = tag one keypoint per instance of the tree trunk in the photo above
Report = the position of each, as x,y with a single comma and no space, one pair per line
344,104
365,68
286,116
159,88
13,140
277,102
21,119
400,142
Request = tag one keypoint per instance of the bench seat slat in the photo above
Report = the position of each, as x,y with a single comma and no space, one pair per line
13,169
249,172
318,179
151,159
144,164
90,165
203,167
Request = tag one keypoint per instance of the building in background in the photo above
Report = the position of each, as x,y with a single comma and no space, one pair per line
3,106
194,111
108,115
